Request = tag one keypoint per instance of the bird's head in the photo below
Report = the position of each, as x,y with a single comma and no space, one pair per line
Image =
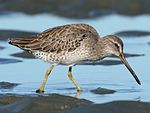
113,45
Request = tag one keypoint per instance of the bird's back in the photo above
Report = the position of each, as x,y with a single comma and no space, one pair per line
63,44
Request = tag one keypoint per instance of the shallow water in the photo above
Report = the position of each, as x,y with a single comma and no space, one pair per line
30,72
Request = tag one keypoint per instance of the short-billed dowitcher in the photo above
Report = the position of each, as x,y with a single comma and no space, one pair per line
70,45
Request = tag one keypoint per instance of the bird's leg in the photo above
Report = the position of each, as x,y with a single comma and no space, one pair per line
41,89
72,79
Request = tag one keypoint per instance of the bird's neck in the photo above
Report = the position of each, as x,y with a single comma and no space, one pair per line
102,49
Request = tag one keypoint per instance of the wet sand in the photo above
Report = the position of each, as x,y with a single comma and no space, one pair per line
55,103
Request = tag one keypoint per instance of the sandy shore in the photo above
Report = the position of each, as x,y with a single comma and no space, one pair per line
56,103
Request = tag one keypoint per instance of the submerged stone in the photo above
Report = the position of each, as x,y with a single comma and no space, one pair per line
7,85
135,34
103,91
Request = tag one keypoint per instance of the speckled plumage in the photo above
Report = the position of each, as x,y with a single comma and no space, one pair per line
66,45
70,45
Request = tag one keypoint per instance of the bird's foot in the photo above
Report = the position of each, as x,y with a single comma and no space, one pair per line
40,91
79,89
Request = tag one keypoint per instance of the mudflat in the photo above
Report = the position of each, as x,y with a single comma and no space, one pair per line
55,103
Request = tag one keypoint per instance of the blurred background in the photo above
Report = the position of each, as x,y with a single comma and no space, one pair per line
76,9
129,19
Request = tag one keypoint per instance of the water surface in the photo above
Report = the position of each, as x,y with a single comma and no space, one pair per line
30,72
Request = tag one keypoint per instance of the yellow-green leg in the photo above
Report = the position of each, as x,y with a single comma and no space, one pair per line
72,79
41,89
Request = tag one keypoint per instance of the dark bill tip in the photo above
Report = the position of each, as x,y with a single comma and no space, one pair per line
124,61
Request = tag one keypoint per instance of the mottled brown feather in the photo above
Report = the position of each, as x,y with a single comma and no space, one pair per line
58,39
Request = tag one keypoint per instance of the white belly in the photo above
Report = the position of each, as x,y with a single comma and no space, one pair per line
65,58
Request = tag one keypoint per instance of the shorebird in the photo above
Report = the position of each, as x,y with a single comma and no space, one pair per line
69,45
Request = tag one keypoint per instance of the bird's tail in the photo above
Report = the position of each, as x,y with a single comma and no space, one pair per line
21,42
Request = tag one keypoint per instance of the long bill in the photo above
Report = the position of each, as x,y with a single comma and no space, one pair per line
124,61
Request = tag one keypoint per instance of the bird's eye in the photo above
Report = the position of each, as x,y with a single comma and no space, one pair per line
116,45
